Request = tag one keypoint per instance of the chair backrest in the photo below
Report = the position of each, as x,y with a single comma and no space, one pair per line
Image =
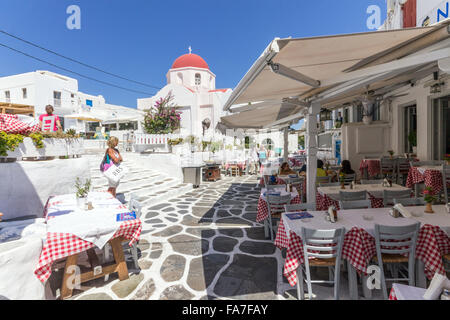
403,165
357,204
446,181
331,184
427,163
322,244
349,178
276,204
48,123
135,205
326,179
299,207
276,186
410,201
372,181
390,195
352,196
388,165
396,239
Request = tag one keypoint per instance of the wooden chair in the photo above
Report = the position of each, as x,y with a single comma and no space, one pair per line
410,202
390,195
320,180
378,181
352,196
403,166
388,167
299,207
321,248
395,246
445,181
355,204
275,206
234,170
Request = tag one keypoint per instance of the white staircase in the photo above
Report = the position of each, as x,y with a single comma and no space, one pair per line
148,185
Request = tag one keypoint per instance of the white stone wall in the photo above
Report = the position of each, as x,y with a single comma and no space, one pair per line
26,186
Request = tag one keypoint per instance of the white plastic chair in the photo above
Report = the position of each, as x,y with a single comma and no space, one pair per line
352,196
275,206
372,181
321,248
408,202
390,195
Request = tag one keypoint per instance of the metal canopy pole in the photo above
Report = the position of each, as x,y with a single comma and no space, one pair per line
311,151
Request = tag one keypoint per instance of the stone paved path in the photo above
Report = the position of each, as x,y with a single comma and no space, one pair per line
202,245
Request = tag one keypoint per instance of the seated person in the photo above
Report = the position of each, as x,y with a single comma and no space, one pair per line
346,168
286,170
320,171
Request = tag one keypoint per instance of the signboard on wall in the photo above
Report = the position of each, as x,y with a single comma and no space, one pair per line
435,15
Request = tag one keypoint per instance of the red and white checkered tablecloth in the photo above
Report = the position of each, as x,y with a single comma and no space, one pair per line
324,202
432,244
392,295
373,167
61,245
10,123
359,248
263,210
431,178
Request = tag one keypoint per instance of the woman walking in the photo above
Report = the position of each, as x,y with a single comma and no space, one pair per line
113,156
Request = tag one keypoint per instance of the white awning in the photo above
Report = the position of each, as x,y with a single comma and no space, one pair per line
262,117
295,67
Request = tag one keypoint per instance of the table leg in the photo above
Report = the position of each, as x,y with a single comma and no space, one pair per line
66,290
421,280
122,270
352,281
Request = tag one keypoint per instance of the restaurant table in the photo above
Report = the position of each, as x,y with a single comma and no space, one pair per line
263,210
67,245
370,168
359,243
430,175
404,292
329,196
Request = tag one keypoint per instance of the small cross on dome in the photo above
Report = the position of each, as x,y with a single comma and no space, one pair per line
190,49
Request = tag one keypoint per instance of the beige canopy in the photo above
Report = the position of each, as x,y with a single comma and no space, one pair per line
305,67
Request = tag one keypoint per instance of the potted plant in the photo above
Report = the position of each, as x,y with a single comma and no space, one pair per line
447,158
429,198
391,153
82,192
412,138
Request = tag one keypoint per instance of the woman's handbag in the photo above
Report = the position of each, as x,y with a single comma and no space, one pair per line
106,163
115,172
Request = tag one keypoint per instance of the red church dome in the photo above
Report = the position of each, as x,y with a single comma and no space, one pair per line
190,60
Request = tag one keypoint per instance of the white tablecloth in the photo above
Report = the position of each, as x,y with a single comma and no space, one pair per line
374,189
404,292
96,226
356,218
282,191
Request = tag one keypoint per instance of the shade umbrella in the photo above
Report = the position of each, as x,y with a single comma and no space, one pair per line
86,117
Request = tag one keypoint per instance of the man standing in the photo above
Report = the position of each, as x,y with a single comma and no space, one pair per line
57,123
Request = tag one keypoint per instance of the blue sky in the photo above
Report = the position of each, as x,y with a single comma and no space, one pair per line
140,39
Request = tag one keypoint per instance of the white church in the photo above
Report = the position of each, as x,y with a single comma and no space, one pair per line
193,86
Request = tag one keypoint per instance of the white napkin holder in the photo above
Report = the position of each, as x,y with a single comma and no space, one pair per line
403,211
437,285
331,214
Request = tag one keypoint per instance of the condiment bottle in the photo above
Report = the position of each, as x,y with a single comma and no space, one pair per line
445,295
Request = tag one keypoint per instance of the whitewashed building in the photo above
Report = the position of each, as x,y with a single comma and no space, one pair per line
41,88
193,86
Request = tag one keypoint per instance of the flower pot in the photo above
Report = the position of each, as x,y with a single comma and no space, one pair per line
367,120
429,208
81,203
